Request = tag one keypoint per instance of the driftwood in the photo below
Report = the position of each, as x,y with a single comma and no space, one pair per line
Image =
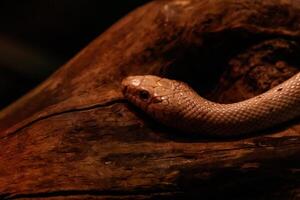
75,137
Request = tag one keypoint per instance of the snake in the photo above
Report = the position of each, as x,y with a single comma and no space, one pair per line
176,105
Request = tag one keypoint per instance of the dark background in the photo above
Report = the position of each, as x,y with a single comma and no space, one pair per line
37,37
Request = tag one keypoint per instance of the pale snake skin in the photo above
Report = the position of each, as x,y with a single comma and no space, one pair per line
177,105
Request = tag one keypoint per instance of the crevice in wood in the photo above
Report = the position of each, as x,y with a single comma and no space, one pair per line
78,193
109,103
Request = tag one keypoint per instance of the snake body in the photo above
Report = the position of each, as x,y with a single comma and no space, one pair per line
177,105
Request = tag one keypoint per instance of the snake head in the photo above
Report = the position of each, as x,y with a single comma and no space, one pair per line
163,99
149,93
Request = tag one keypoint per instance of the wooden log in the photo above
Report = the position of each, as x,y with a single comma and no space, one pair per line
75,137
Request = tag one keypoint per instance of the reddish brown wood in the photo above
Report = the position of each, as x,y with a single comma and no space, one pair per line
75,137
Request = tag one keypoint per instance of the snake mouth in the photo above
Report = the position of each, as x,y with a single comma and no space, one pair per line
128,90
126,93
124,89
125,86
128,84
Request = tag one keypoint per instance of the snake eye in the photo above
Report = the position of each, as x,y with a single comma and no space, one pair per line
144,95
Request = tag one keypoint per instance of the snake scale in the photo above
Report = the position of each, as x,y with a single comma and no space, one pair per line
177,105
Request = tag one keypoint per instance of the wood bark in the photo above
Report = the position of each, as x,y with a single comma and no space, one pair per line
76,137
